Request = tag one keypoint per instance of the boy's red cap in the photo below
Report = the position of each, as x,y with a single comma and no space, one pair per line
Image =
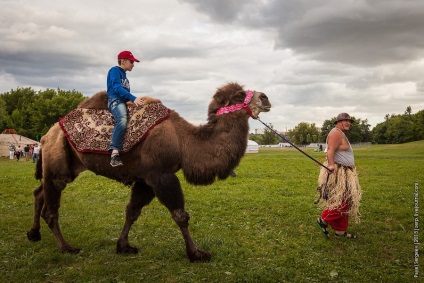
127,55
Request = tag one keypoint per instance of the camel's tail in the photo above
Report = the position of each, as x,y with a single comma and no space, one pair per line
39,167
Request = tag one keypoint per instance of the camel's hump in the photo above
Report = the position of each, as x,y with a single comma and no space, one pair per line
99,101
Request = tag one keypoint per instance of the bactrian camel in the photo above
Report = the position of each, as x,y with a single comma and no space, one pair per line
204,153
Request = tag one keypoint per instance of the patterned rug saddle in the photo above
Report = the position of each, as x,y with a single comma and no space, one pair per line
90,130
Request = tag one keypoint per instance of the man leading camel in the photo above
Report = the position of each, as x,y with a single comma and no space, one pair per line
340,189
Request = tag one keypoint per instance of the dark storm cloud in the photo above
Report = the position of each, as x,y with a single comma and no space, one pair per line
352,32
153,52
41,64
225,11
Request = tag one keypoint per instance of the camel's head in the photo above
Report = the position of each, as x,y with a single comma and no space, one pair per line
232,97
259,103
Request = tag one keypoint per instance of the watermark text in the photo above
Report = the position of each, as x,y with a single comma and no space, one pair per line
416,230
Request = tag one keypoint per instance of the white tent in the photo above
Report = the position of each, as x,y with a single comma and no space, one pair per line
15,139
252,147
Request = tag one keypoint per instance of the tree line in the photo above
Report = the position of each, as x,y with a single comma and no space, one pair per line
403,128
400,128
31,113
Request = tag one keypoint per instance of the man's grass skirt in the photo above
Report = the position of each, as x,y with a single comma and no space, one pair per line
339,188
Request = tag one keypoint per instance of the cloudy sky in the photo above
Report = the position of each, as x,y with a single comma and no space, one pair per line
313,58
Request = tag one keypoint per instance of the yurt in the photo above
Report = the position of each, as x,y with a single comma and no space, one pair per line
7,139
252,147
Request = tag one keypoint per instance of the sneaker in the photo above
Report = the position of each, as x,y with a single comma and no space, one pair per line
116,161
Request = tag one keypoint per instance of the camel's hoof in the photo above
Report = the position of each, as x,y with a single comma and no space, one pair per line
199,256
125,249
34,235
70,250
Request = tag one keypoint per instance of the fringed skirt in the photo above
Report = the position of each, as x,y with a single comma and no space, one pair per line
339,188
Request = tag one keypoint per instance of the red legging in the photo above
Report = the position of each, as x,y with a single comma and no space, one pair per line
338,218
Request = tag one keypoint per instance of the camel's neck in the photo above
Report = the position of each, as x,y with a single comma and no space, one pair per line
215,149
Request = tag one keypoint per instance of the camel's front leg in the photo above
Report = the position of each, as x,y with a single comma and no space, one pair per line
194,253
141,195
167,188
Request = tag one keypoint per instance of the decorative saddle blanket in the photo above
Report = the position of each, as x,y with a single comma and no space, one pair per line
90,130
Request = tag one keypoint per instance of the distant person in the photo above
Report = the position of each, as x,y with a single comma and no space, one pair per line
118,91
11,151
18,151
35,153
31,150
26,152
340,189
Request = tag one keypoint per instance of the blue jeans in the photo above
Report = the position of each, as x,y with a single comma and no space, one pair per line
118,108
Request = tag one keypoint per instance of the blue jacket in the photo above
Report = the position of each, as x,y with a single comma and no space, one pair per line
118,86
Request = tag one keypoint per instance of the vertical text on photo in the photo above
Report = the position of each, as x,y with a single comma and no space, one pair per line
416,230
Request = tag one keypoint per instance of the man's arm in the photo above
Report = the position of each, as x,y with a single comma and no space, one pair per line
333,142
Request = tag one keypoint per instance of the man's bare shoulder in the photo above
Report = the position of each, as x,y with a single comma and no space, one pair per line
335,134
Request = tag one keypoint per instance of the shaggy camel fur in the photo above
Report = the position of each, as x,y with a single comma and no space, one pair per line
203,153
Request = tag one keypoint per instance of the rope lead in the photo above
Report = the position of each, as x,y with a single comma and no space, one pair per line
319,163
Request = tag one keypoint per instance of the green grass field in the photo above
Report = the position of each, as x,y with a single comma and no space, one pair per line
259,226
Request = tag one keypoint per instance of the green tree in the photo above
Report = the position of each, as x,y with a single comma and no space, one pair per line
408,111
269,137
50,105
18,104
18,99
378,133
400,128
3,115
364,128
418,121
31,113
303,133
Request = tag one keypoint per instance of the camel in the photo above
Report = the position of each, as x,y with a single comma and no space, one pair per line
204,153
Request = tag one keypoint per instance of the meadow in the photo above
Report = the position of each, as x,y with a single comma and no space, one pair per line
259,226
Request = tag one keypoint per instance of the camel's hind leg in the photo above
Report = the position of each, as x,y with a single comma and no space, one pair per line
141,195
58,165
52,193
168,191
46,205
34,234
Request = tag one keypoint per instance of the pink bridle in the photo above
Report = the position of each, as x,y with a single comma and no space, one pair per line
236,107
